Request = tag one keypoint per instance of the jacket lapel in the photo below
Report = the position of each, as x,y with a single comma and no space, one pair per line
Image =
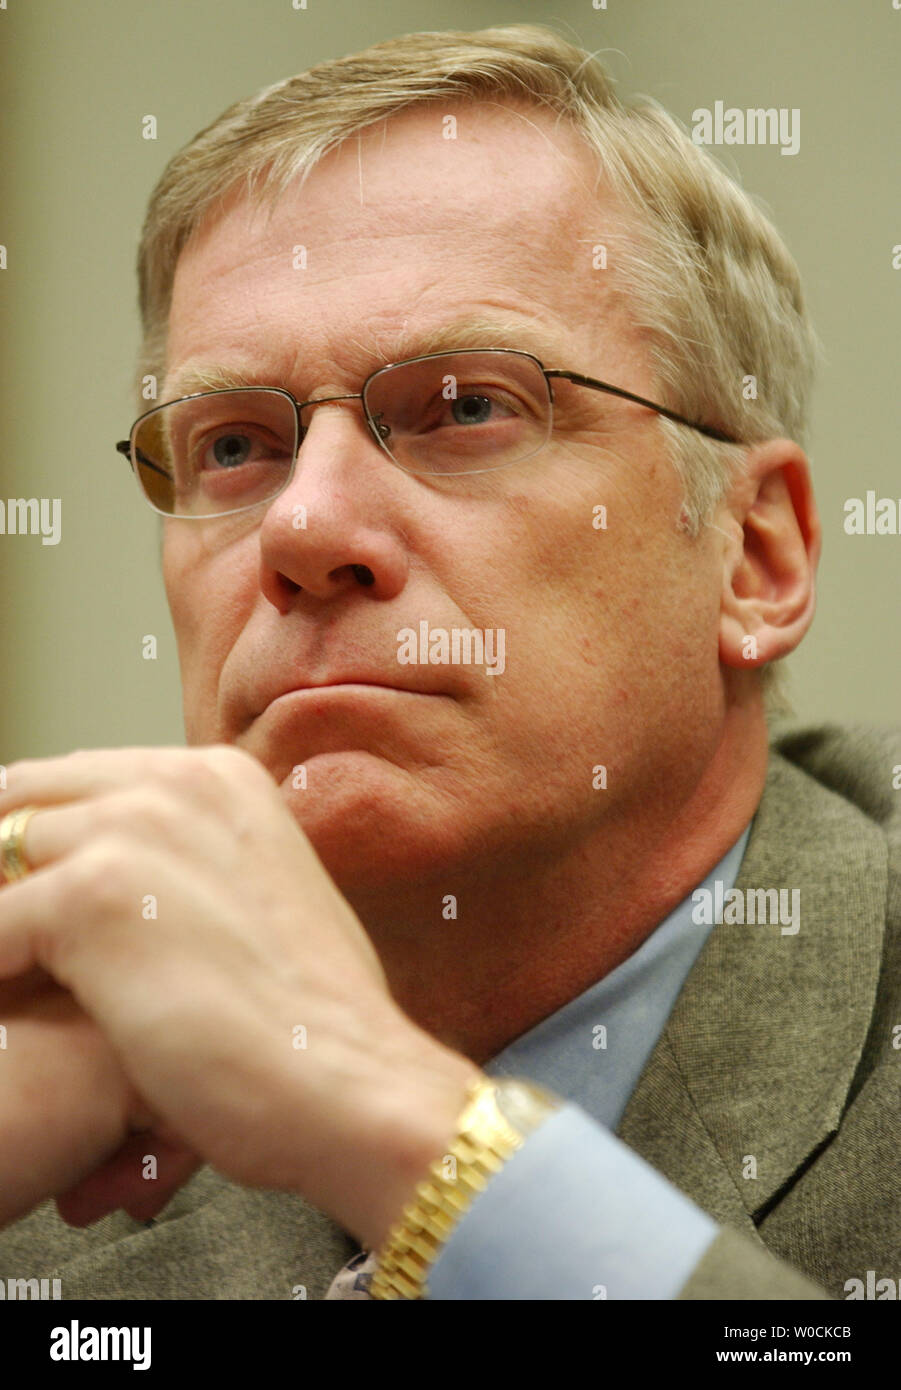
752,1071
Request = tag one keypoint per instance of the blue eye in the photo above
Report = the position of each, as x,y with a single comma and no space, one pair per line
231,450
472,410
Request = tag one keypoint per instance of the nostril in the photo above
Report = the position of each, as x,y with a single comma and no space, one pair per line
363,575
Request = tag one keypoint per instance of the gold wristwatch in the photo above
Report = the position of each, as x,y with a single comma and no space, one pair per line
498,1116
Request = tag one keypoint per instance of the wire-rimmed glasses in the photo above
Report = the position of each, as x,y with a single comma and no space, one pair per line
469,411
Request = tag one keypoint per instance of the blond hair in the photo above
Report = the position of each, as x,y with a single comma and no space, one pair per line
712,286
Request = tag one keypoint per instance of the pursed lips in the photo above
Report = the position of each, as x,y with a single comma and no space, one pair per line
337,682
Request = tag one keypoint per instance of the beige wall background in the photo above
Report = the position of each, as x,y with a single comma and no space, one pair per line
75,175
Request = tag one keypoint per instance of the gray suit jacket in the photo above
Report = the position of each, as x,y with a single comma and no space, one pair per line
779,1048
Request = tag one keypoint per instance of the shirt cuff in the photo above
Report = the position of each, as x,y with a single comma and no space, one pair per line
574,1214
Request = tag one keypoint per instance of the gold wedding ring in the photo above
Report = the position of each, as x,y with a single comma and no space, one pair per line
13,863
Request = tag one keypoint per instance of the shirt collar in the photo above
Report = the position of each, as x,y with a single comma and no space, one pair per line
593,1050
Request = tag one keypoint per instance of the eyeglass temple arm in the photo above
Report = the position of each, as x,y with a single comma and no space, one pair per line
124,448
579,380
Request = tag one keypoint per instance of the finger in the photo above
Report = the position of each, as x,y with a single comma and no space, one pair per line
28,915
47,781
40,843
122,1181
81,920
83,849
54,831
71,919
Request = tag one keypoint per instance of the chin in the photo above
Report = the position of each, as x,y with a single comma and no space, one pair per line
374,825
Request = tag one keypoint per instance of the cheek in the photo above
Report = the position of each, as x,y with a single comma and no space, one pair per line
210,594
667,628
622,602
186,576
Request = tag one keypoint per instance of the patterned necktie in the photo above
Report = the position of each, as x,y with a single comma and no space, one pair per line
354,1279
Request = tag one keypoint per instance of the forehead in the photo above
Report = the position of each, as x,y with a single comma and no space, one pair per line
437,214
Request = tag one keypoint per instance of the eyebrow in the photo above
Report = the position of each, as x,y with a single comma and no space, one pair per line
528,335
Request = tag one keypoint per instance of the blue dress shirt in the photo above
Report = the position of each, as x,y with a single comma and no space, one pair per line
575,1213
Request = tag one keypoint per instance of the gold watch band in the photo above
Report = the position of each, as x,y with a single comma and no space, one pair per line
498,1116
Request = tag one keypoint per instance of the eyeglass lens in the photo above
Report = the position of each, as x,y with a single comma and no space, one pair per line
453,413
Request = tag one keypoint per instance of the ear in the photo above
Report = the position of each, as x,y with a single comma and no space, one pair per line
771,518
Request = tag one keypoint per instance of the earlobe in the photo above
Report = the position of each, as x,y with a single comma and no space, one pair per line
741,647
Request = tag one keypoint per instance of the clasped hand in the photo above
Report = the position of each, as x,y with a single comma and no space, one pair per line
180,977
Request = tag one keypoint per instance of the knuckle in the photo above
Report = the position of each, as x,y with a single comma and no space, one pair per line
207,770
98,873
228,757
130,817
188,779
233,766
177,770
154,811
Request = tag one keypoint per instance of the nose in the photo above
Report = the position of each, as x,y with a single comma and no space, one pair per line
321,400
382,431
336,527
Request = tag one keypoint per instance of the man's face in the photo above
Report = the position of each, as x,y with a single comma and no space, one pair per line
418,772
